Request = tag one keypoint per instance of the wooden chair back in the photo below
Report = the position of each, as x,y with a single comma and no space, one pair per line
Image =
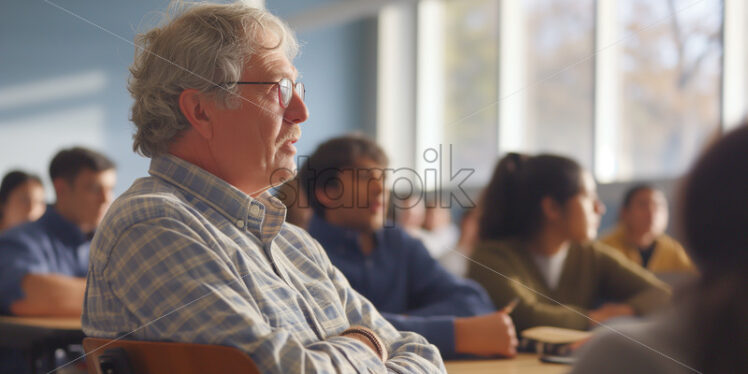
146,357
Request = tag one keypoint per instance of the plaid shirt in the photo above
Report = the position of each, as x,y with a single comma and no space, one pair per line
183,256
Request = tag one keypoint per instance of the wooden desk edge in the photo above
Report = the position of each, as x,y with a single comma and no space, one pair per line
44,322
526,363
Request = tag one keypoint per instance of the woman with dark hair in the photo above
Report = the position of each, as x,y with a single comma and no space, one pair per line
539,217
706,331
21,199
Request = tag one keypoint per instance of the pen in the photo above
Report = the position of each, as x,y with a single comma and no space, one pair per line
510,307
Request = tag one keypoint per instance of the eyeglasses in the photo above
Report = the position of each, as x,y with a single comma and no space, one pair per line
285,90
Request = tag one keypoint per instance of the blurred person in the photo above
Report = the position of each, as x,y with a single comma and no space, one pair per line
705,331
433,226
442,236
456,262
437,217
469,226
410,212
345,183
640,233
199,250
21,199
45,262
539,216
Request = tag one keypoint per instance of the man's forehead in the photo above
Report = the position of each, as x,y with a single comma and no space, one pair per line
271,62
88,174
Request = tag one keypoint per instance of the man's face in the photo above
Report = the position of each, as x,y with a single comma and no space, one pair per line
253,143
358,198
88,197
646,213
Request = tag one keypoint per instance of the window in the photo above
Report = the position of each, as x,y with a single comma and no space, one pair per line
670,95
470,76
629,88
559,89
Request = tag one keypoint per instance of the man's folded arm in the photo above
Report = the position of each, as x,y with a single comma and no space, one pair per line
180,289
408,352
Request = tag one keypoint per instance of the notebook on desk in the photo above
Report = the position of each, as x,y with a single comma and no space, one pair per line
554,344
555,335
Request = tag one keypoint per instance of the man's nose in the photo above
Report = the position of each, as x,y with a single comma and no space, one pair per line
297,111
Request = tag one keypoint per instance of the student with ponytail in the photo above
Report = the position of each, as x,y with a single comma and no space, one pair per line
539,217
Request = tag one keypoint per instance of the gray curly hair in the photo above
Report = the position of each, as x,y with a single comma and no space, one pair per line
202,47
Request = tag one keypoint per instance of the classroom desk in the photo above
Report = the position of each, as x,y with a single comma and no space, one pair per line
524,363
39,336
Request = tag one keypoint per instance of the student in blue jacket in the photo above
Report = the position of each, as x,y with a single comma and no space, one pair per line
345,186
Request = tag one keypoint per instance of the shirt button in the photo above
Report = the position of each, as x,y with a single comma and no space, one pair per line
254,210
240,224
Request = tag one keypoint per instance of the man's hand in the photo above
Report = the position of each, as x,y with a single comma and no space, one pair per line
608,311
487,335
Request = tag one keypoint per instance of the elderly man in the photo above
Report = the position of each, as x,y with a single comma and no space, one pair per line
199,251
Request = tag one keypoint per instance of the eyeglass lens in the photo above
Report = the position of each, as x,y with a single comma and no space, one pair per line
286,90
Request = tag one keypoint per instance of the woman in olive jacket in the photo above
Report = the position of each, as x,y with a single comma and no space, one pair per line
540,215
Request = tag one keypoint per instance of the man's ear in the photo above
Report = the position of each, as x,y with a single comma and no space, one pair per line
197,108
325,196
552,210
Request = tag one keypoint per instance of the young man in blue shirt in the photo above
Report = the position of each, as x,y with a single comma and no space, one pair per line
44,263
344,183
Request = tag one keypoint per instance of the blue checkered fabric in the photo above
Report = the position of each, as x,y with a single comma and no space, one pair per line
184,256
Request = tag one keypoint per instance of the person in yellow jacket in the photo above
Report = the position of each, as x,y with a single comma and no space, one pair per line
640,233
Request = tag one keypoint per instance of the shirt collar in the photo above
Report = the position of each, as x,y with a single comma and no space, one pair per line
67,231
263,215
